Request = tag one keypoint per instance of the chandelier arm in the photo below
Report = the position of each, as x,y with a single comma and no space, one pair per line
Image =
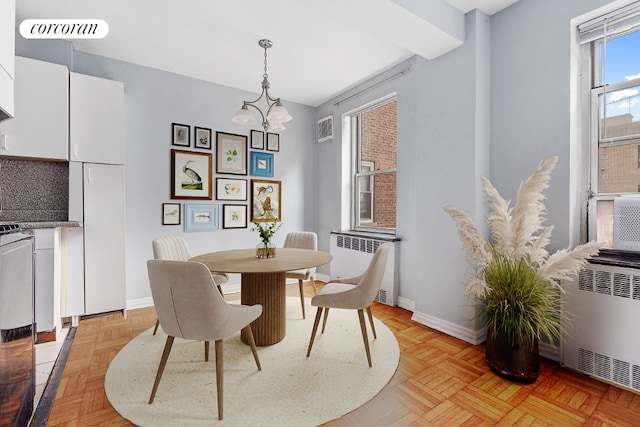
250,104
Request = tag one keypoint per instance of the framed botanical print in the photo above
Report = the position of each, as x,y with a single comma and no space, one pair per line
231,153
171,214
180,134
231,189
273,142
202,138
261,164
234,216
201,217
190,175
266,200
257,140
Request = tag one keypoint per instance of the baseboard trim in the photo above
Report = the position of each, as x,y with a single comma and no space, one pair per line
139,303
465,334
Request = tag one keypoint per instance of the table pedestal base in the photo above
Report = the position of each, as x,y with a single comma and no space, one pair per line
269,290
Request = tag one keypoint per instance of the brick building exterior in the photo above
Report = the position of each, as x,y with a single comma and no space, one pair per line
619,162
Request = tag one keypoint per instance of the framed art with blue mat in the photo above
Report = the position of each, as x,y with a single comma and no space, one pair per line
201,217
261,164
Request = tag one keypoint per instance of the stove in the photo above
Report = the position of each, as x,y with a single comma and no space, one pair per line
9,228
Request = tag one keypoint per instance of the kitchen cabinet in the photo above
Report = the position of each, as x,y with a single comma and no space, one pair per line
96,119
101,208
7,49
40,126
45,280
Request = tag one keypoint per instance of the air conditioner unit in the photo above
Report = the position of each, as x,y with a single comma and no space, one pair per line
352,255
325,129
626,223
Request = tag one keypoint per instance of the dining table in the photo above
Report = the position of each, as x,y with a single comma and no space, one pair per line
263,281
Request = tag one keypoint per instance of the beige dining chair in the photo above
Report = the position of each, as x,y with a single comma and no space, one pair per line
302,240
190,307
355,293
175,248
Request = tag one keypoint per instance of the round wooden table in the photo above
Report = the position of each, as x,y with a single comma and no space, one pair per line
263,282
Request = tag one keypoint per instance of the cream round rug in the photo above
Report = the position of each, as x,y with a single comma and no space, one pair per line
291,389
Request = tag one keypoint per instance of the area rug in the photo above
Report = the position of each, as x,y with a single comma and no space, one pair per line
291,389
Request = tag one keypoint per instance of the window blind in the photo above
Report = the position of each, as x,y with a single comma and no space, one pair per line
617,22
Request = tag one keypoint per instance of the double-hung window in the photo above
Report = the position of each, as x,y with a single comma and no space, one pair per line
373,142
610,61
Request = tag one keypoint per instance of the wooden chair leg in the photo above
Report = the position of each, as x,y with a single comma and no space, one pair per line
313,284
163,363
301,297
252,343
363,327
156,327
373,328
324,321
315,328
220,289
206,351
219,375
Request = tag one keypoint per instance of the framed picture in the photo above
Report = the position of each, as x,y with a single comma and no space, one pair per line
171,214
234,216
201,217
190,175
261,164
202,138
180,135
266,200
257,139
231,152
231,189
273,142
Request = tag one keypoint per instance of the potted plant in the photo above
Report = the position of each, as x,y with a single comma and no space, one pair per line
266,249
518,284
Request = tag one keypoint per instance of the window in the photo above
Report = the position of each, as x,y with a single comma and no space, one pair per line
373,142
610,46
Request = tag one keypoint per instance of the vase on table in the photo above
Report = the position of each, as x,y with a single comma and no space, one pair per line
265,250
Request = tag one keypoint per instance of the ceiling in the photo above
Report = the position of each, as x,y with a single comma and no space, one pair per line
320,47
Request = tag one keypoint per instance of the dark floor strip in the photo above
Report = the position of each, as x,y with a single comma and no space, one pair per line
41,414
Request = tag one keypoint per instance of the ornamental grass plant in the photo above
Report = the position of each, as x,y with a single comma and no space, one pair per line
518,284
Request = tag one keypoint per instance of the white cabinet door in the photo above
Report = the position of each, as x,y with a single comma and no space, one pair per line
44,286
7,51
96,121
104,238
40,126
72,292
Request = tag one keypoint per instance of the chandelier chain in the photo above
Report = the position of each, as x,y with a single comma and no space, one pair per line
265,63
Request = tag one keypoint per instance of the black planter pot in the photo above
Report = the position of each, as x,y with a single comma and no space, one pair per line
520,363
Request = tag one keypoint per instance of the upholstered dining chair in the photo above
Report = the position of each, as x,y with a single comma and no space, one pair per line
302,240
190,307
175,248
355,293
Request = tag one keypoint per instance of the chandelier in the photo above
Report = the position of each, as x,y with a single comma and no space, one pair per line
276,114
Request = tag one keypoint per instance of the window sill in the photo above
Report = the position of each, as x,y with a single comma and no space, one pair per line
617,258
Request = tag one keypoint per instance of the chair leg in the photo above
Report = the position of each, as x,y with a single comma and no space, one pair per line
324,322
313,284
206,351
252,343
220,289
363,327
156,327
301,297
163,363
373,328
315,328
219,375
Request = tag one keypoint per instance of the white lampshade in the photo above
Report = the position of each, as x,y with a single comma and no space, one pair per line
244,117
279,113
276,126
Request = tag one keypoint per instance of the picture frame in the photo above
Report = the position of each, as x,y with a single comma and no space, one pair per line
191,175
180,135
261,164
201,217
231,152
234,216
257,140
202,138
171,214
231,189
266,200
273,141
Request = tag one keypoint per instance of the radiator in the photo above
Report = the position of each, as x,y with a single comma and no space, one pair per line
352,255
602,338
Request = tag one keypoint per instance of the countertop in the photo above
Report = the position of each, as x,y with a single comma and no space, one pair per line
44,224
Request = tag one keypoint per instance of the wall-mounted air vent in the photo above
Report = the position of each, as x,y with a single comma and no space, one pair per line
325,129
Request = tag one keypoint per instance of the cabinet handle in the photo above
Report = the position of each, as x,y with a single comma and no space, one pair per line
89,177
3,142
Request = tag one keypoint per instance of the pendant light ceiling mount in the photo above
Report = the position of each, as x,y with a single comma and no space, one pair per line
276,114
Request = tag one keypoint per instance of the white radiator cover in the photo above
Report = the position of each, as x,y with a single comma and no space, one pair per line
352,255
602,338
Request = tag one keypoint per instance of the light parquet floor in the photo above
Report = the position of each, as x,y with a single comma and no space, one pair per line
440,381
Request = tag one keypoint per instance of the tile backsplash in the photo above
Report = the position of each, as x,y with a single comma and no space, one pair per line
33,190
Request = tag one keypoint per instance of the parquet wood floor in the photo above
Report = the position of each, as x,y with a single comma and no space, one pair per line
440,381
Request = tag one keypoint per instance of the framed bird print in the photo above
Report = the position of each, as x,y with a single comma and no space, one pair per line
266,200
231,153
191,175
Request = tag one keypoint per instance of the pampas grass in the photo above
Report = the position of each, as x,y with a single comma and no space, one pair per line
517,280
